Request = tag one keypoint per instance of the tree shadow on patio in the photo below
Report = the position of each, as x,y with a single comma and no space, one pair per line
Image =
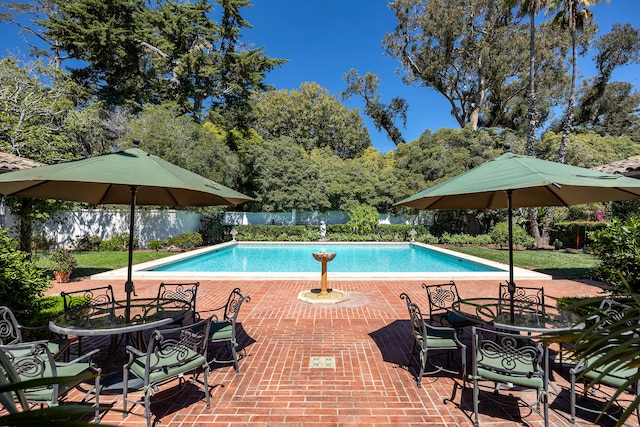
394,342
169,401
596,403
496,406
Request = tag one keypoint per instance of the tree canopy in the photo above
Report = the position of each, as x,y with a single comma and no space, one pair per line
192,90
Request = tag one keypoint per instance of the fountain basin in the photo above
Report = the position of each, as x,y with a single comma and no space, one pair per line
333,296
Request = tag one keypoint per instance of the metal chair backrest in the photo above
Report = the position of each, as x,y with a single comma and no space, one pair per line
441,297
418,326
233,305
9,327
407,299
611,311
507,353
83,298
166,349
525,299
186,292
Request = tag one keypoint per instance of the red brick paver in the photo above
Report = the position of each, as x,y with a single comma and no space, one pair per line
369,338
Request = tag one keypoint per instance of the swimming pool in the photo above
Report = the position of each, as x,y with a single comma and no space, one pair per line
350,258
281,263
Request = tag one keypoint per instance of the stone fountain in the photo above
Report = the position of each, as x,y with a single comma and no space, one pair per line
323,295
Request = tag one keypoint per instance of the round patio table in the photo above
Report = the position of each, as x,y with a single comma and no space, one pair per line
109,320
533,318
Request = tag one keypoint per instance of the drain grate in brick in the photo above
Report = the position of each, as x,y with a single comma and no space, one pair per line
322,362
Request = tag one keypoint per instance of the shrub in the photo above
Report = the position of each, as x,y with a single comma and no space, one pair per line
61,260
185,240
427,238
21,282
118,242
213,231
500,236
88,243
618,247
363,219
156,244
457,239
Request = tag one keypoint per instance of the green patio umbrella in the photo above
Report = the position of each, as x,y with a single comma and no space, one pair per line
131,177
512,180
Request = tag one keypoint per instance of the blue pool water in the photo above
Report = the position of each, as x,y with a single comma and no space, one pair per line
273,257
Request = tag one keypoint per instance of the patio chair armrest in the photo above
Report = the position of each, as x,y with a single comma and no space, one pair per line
43,328
579,367
440,328
81,358
213,310
134,351
444,331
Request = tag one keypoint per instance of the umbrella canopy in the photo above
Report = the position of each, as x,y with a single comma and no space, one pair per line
131,177
107,179
534,182
512,180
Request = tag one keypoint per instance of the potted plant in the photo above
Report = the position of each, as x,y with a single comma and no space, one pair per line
557,244
62,262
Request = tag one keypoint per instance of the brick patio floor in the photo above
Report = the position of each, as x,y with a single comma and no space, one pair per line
368,337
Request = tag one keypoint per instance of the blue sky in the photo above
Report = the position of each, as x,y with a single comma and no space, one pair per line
324,39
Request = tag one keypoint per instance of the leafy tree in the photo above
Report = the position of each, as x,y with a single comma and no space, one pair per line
596,107
587,149
574,15
243,70
363,219
34,112
353,183
167,51
313,119
283,177
104,35
473,54
531,8
449,152
176,138
383,116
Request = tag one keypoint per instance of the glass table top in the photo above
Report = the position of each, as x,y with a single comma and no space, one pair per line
526,317
110,318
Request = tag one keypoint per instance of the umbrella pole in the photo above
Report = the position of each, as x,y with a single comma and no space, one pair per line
511,285
128,286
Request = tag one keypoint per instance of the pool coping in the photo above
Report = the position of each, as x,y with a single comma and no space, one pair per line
139,274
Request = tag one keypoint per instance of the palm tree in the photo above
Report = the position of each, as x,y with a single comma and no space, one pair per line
574,15
531,8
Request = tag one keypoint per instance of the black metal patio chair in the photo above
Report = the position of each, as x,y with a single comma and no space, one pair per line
430,338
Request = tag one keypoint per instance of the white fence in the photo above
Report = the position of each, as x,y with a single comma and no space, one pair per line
160,224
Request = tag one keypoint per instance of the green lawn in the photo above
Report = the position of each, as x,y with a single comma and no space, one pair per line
98,262
560,264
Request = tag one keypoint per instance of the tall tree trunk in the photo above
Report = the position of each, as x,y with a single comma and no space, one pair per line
25,227
567,125
532,116
532,109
